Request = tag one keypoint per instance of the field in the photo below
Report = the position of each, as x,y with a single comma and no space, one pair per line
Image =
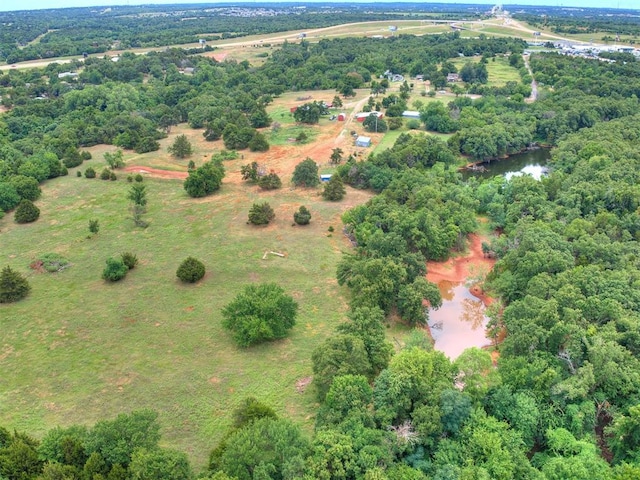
78,349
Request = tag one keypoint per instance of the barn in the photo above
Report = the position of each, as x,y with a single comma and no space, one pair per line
361,117
411,114
342,117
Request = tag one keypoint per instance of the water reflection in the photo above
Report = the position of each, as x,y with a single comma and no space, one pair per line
532,162
460,323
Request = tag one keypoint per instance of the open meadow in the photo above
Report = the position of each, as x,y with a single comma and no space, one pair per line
78,349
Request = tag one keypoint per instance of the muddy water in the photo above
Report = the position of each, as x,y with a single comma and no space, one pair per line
460,323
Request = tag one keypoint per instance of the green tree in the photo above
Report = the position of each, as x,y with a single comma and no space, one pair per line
336,155
9,197
114,159
138,194
115,270
204,180
26,187
94,226
26,212
302,216
249,172
260,313
271,181
341,354
336,102
349,397
266,448
181,147
259,143
334,189
116,440
310,112
190,270
90,172
624,436
306,174
13,286
261,214
375,124
159,464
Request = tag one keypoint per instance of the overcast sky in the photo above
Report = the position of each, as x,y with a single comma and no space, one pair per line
6,5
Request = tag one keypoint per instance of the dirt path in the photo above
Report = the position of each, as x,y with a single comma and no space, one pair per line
534,85
155,172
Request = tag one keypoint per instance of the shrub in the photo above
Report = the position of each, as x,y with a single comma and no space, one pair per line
302,216
261,214
129,259
138,178
26,212
306,174
181,147
94,226
13,286
115,270
129,178
85,155
413,124
190,270
270,182
105,174
78,173
334,189
259,143
112,177
51,262
205,180
90,173
260,313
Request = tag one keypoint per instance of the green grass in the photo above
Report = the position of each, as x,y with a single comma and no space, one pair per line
388,140
500,72
287,134
78,350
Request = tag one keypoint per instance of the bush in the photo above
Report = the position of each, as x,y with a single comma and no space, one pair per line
302,216
115,270
51,262
138,178
334,189
270,182
261,214
78,174
9,197
413,124
205,180
306,174
26,212
94,226
181,147
190,270
112,177
105,174
130,178
85,155
90,173
26,187
260,313
13,286
129,259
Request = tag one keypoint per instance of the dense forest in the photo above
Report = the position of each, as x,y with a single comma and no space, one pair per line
563,401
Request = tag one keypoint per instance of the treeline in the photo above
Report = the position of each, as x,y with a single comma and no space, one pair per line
585,21
71,32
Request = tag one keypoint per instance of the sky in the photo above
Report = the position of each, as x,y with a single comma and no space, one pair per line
8,5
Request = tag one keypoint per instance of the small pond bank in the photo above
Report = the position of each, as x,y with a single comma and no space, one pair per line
531,162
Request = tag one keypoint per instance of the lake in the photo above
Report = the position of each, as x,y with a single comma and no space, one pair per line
531,162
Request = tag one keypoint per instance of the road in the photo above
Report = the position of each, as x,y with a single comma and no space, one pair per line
534,85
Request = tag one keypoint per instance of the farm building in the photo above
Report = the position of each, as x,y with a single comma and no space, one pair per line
325,177
360,117
342,117
363,141
453,77
411,114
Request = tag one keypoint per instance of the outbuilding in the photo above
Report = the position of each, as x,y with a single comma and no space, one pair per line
325,178
363,141
411,114
342,117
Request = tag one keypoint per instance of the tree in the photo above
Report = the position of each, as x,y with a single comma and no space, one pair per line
249,172
336,155
190,270
90,172
310,112
114,159
260,313
26,212
26,187
337,102
181,147
204,180
13,286
341,354
261,214
334,189
306,174
302,216
259,143
94,226
270,181
115,270
374,124
159,464
9,197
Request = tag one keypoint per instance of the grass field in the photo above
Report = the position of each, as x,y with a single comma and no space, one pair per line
77,349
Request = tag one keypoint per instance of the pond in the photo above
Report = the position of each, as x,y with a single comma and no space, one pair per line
532,162
460,322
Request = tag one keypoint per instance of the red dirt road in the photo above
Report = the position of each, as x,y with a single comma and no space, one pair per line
156,173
